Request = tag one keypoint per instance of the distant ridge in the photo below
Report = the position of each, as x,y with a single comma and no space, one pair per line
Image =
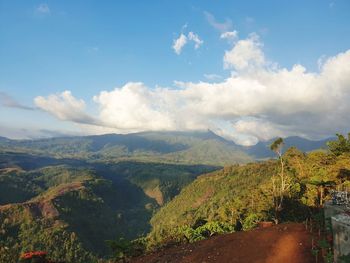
193,147
262,149
4,139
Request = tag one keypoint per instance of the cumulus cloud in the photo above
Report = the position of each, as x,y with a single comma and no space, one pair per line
65,107
179,43
7,101
245,54
260,101
134,107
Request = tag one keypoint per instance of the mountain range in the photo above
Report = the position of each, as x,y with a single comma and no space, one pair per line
202,147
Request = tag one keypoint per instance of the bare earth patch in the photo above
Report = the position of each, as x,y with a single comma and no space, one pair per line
284,243
156,194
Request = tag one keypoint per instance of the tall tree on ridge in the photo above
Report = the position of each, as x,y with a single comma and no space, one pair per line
280,184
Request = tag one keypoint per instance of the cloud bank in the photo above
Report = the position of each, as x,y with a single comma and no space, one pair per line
260,100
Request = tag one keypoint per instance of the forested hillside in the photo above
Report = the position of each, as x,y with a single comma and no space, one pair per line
237,197
72,209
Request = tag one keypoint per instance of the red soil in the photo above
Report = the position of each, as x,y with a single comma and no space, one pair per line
284,243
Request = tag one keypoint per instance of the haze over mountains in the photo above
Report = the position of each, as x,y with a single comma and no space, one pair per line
201,147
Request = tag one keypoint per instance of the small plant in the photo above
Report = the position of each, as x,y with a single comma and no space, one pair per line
200,231
251,221
329,257
323,245
314,252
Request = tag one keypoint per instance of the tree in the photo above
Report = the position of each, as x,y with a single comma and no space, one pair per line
280,184
321,186
341,145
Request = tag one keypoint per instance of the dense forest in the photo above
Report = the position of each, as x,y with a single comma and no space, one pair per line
71,211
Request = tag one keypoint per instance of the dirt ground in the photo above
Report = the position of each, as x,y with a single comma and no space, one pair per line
284,243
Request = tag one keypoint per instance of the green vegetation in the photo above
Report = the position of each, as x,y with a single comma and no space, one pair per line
340,146
71,210
166,147
241,196
83,199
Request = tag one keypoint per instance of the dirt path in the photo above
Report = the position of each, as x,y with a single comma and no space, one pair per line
285,243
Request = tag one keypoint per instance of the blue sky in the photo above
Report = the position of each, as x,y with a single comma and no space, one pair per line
87,47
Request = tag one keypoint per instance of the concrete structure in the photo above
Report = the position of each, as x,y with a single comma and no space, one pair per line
340,218
341,236
332,210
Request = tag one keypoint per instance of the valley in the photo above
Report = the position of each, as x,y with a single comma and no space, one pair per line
74,196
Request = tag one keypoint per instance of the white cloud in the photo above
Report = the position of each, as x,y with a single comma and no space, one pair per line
212,76
258,128
246,54
222,27
195,38
43,9
65,107
134,107
259,101
179,43
229,35
182,40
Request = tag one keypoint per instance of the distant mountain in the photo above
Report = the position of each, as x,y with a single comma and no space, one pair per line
171,147
262,149
4,139
198,147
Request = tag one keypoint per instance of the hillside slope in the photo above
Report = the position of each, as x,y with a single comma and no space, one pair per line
80,205
238,196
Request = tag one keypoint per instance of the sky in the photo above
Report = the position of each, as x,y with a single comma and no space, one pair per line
247,70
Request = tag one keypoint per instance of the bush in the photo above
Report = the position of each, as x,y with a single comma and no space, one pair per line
123,248
203,231
251,221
